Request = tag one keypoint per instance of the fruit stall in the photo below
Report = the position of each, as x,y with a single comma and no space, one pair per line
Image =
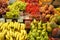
29,19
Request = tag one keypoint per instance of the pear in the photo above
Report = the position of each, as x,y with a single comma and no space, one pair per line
44,26
38,38
49,29
41,38
32,38
39,31
34,30
32,27
35,21
39,25
37,34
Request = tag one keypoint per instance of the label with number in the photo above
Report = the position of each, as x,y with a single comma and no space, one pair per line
8,20
2,20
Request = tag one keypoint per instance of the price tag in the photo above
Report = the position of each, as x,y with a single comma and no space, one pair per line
8,20
11,1
2,20
21,19
26,17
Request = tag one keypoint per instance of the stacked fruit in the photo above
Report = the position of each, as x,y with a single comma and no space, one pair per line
39,31
15,8
46,12
3,6
32,9
58,10
45,1
55,24
12,31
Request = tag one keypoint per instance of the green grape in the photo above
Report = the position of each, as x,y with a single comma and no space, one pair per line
15,8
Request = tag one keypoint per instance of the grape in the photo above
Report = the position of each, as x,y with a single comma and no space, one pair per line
14,9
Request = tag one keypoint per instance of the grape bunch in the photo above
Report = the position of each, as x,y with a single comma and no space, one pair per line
3,6
14,9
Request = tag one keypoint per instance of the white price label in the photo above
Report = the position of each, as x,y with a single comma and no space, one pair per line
21,19
2,20
8,20
26,17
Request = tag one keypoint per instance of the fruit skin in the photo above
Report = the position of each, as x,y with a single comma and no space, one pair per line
49,28
39,25
3,7
12,30
46,12
52,38
38,31
32,9
54,21
56,32
15,8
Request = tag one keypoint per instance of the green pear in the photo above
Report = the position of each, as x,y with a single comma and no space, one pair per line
34,30
49,28
46,36
32,39
38,38
39,31
32,27
43,33
32,24
33,34
39,25
34,21
41,38
37,34
44,26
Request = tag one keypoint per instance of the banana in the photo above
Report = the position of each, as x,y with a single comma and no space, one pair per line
22,26
9,31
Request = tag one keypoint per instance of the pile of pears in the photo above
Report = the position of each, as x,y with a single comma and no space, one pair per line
39,30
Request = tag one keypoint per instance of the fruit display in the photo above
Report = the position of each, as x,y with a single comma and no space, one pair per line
14,9
39,30
12,31
55,20
32,9
46,12
3,6
41,20
58,10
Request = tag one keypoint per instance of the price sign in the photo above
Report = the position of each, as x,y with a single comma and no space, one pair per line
8,20
21,19
2,20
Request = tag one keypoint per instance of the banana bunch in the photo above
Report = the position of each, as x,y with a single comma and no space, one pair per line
12,31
